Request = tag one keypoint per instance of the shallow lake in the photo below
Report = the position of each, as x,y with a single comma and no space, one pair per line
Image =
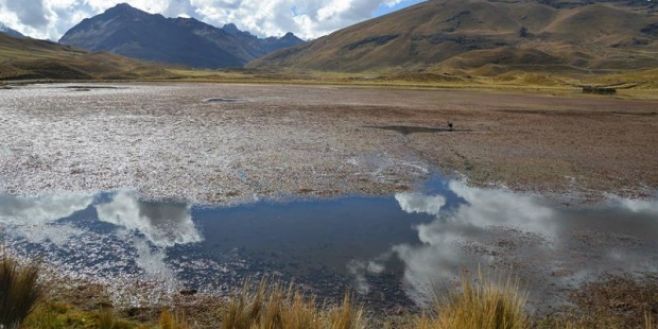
393,250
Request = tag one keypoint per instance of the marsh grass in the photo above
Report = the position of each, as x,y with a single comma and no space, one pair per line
274,307
19,291
481,304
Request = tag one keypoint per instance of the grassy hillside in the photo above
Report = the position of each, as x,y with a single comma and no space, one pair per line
458,36
22,59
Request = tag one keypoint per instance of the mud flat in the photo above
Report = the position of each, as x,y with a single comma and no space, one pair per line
181,141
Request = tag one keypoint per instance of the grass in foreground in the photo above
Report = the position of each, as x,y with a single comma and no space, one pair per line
480,305
19,292
276,307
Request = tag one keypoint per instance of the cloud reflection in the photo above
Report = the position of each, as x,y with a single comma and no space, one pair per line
636,205
41,210
523,233
420,203
164,225
35,219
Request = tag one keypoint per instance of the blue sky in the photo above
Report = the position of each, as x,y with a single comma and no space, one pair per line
384,9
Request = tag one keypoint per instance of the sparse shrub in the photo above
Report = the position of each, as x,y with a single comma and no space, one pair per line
480,305
274,307
19,291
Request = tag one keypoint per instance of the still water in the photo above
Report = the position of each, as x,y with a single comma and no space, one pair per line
392,250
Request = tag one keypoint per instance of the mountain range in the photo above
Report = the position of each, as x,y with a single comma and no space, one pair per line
8,31
130,32
436,39
489,37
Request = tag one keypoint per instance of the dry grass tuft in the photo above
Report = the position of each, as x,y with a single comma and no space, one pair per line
107,319
480,305
648,321
277,308
169,320
19,291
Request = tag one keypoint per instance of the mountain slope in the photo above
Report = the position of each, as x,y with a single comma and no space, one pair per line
131,32
25,58
490,35
12,33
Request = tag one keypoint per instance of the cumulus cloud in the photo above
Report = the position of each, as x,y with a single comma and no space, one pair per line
307,18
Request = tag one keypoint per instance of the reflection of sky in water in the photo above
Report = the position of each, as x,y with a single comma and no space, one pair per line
391,249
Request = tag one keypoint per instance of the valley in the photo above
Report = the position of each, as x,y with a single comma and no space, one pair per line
155,167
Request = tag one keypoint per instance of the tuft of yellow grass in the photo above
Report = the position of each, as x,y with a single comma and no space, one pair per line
106,319
481,304
169,320
19,291
276,308
648,321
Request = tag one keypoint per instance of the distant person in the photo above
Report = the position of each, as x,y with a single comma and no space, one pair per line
450,127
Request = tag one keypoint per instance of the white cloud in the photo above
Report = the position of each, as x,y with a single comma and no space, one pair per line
50,19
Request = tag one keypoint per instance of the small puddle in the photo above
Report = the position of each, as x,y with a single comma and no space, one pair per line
89,88
393,250
408,130
222,100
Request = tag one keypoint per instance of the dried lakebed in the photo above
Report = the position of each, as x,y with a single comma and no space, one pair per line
323,186
213,143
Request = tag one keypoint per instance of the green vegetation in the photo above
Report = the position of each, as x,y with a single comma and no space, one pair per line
19,292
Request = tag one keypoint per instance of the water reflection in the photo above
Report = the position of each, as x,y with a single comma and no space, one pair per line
393,250
108,234
163,224
526,234
420,203
35,218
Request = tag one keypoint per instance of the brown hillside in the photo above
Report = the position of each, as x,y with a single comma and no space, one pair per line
24,58
466,34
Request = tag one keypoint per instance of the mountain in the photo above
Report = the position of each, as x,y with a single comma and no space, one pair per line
25,58
6,30
134,33
489,36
